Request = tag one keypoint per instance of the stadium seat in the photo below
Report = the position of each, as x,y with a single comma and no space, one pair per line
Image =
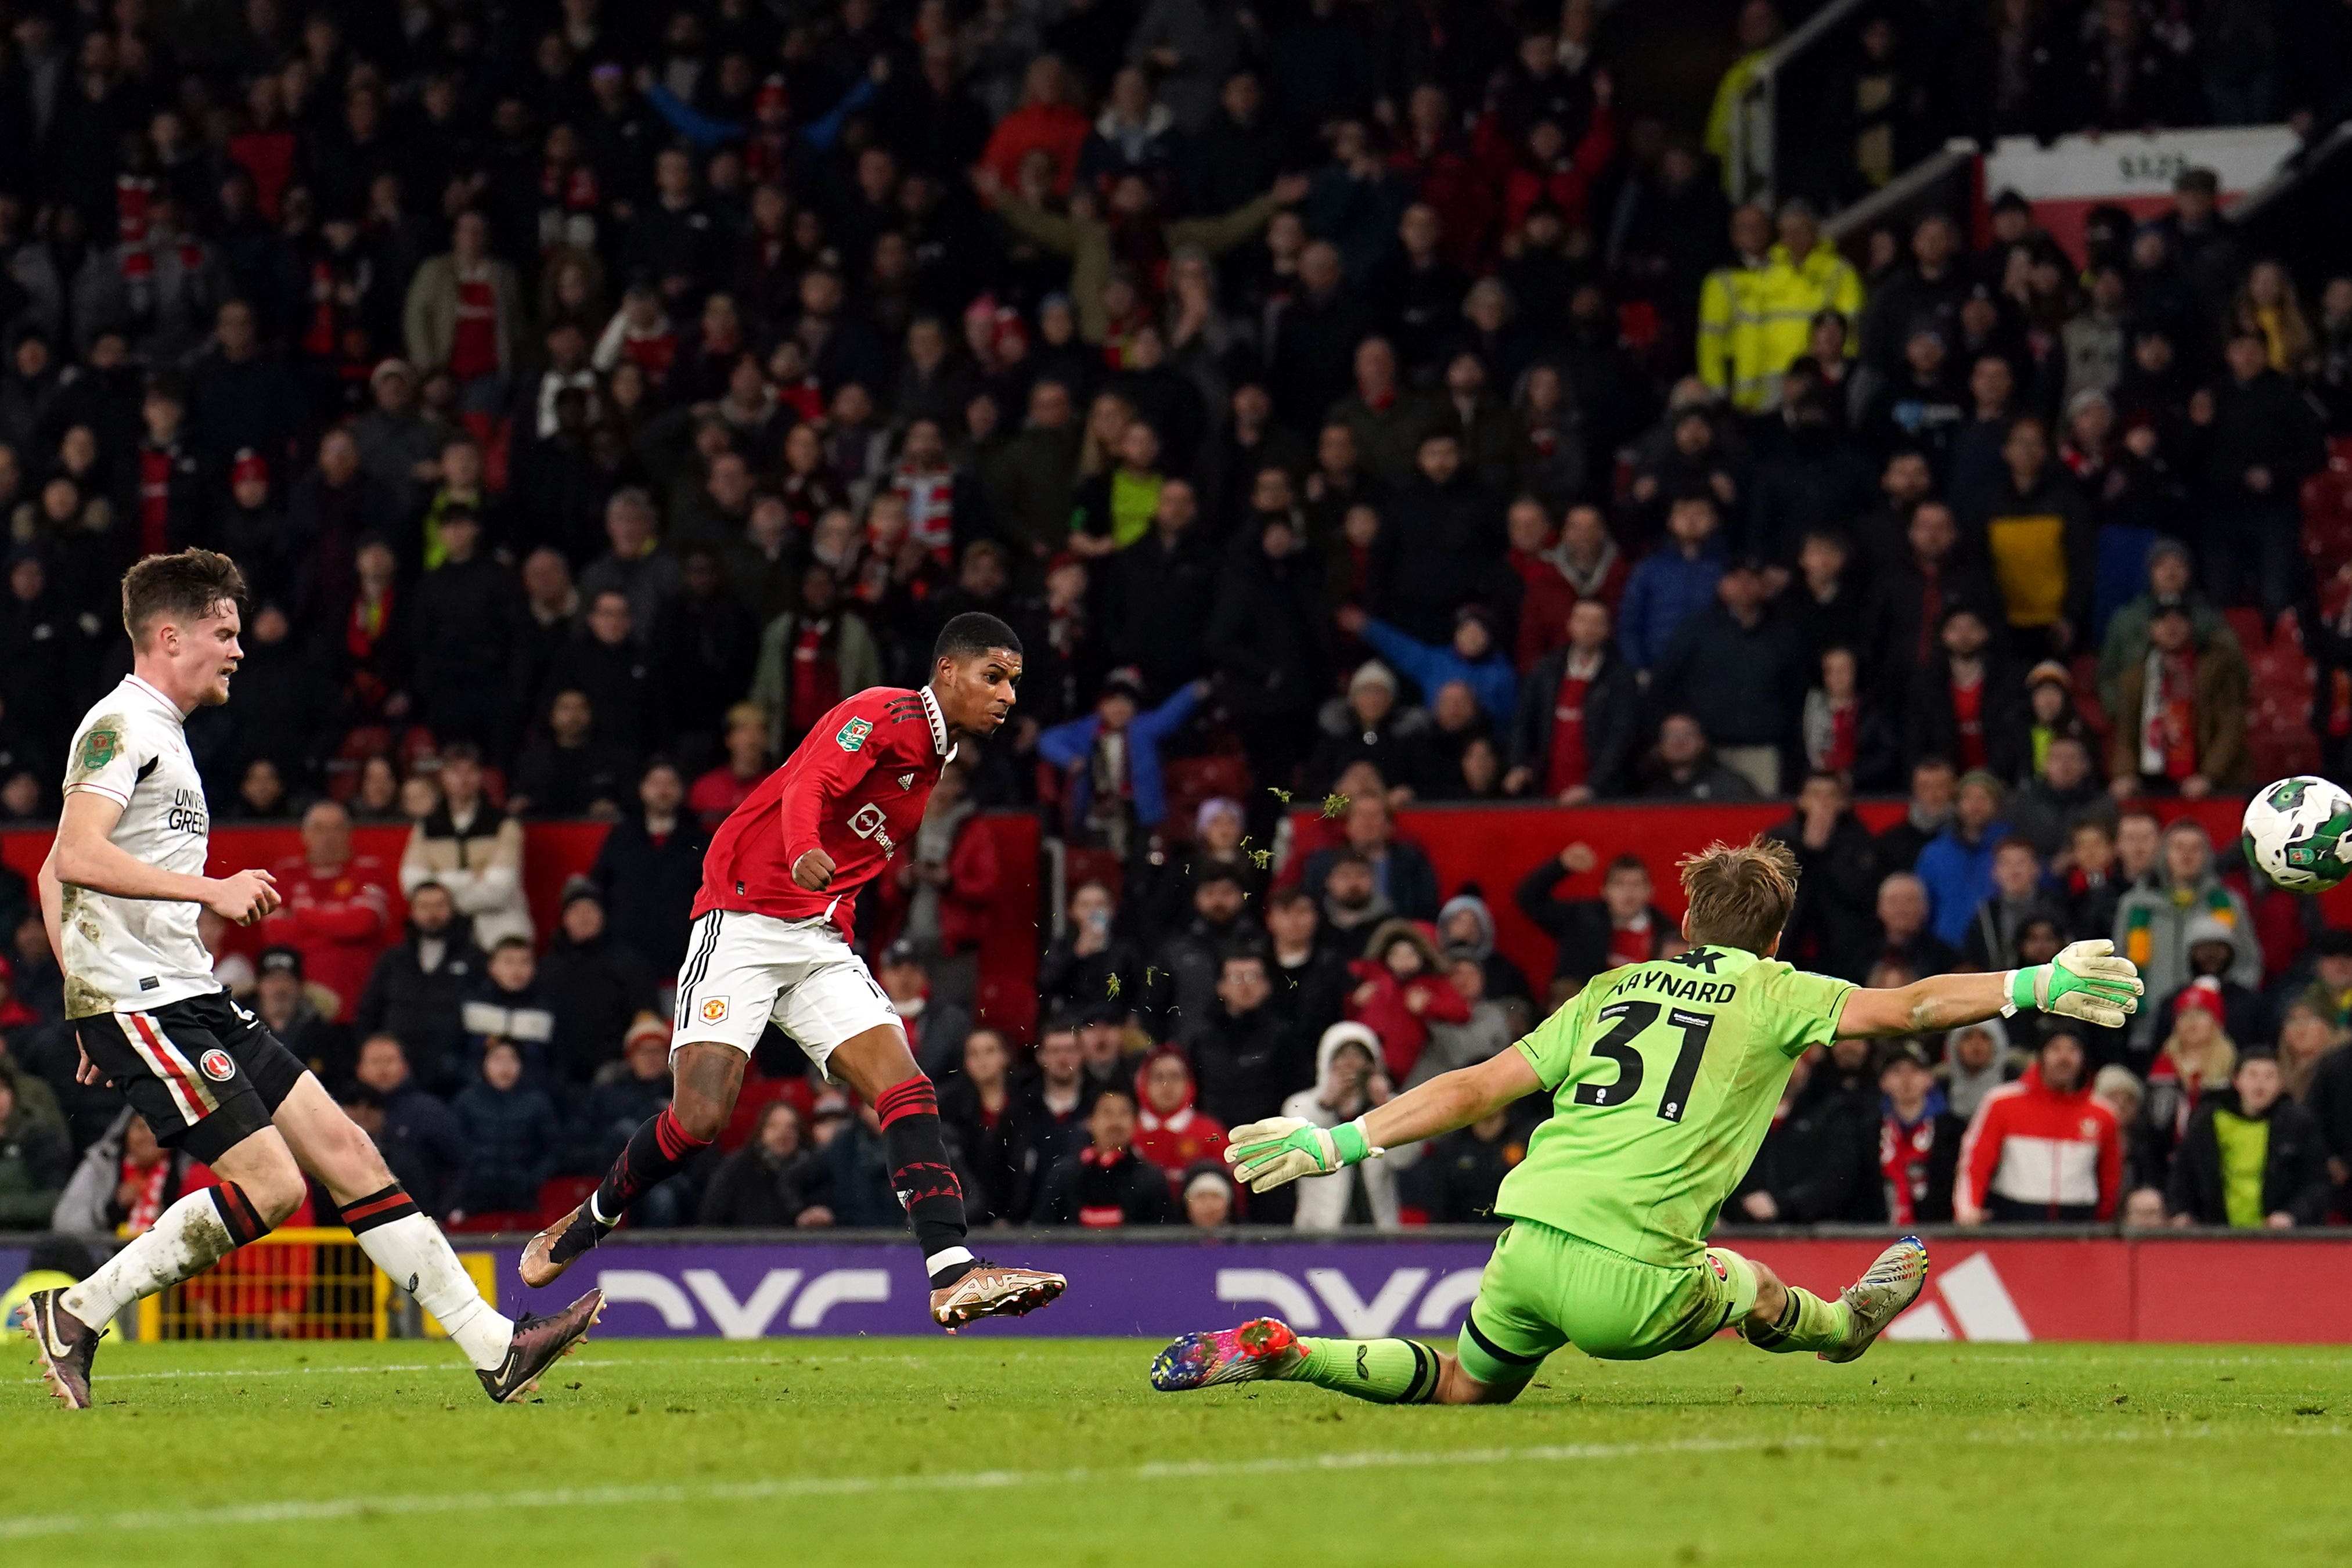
559,1195
511,1221
2327,499
1192,780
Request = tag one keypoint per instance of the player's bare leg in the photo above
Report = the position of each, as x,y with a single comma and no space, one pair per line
509,1355
1791,1318
706,1077
880,1068
259,1186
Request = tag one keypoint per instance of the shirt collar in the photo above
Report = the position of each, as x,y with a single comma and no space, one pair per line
939,724
158,698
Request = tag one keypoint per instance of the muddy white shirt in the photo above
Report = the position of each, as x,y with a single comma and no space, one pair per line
133,955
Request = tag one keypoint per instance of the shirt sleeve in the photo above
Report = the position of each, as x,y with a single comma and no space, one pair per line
841,751
1550,1048
109,756
1806,1009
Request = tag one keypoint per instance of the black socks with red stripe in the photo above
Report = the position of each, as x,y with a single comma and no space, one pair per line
656,1152
237,1216
925,1182
378,1209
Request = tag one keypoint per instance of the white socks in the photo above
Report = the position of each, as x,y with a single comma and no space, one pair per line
419,1260
187,1238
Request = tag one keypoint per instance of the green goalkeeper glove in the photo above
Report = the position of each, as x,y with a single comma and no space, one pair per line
1281,1149
2085,981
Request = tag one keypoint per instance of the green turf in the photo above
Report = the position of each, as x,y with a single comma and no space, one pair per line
983,1450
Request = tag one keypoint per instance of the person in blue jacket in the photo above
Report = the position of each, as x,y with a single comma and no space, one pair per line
1112,756
1957,863
1473,658
1671,584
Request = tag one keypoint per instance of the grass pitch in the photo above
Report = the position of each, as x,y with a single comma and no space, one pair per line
981,1451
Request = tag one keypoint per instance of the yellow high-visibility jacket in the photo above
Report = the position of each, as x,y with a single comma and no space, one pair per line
1755,320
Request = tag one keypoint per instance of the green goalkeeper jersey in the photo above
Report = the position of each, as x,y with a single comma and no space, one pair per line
1663,1078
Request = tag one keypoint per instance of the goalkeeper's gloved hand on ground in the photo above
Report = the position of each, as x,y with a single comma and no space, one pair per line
1281,1149
2085,981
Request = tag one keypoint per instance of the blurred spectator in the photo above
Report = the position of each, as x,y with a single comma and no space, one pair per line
1838,890
1484,1033
2041,1150
1191,961
466,622
1992,938
1956,867
2180,722
606,660
1933,783
1621,927
594,983
2169,581
2330,1105
1108,1183
2264,441
510,1132
1668,587
34,1162
810,657
1466,929
770,1183
1918,1138
1683,766
936,1024
2156,916
1367,725
1308,975
416,991
857,1170
1456,1180
1244,1054
1089,961
1472,658
1051,1117
1977,1060
1967,702
567,768
293,1009
2119,1089
2252,1158
1207,1197
950,882
627,1094
1111,760
472,851
649,868
1171,1132
981,1113
718,792
1902,937
1735,668
1348,1082
1401,993
2064,791
509,1005
337,909
2212,954
1822,1159
420,1139
1402,874
2195,1058
124,1181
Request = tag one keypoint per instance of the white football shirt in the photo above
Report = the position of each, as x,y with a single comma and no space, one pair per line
133,955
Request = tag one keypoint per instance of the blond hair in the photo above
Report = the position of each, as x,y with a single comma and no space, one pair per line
1739,897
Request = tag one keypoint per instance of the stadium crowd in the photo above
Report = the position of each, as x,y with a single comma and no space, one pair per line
1348,402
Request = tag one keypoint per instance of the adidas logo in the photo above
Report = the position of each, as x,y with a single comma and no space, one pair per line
906,780
1966,1301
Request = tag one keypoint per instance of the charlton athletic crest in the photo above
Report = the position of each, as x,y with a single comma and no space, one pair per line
217,1066
853,734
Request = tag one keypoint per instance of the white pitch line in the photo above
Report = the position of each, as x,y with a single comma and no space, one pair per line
454,1364
309,1510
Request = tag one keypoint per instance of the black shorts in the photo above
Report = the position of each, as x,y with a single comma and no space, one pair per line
205,1073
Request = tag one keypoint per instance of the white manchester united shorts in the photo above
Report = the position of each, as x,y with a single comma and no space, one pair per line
743,969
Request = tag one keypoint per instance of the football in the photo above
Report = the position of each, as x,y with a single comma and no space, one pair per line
2295,831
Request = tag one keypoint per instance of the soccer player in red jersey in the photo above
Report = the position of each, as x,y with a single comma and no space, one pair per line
770,940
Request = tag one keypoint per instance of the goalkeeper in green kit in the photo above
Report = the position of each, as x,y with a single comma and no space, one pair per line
1663,1079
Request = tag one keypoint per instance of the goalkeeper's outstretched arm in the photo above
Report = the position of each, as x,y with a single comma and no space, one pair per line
1267,1155
2087,981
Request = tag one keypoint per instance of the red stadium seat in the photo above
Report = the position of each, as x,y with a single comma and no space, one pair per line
1191,780
512,1221
2326,498
559,1195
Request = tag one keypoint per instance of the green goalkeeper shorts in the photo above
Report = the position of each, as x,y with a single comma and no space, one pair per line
1544,1289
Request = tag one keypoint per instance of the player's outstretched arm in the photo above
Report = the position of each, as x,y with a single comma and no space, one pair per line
84,855
1281,1149
2085,981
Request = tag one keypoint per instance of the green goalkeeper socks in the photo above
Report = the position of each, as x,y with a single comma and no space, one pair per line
1807,1323
1384,1371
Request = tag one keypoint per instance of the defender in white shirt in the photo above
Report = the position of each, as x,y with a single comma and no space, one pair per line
120,891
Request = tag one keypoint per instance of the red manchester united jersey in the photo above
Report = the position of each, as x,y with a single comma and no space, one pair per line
855,787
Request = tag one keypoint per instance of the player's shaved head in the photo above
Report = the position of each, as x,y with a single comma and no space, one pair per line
971,636
1739,897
